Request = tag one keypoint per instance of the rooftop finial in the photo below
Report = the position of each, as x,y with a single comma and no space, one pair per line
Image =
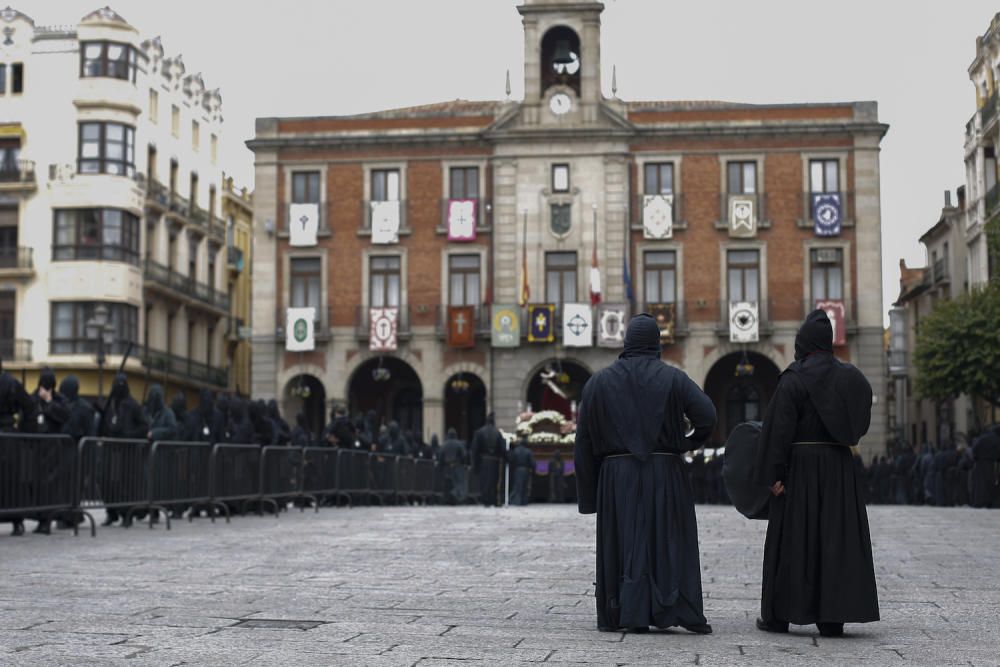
508,84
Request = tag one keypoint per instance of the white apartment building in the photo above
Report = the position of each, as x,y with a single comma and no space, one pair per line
110,208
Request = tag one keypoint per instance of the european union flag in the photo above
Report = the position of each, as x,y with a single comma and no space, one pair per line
541,323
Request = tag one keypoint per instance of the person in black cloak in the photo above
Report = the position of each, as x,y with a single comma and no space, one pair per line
16,412
435,447
985,479
221,418
79,425
179,407
263,430
454,458
50,414
282,432
162,422
242,429
902,465
200,421
944,460
300,434
818,552
522,464
343,428
122,418
557,478
629,470
488,451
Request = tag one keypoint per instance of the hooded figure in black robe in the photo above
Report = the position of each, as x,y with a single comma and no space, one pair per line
282,432
488,452
199,422
454,459
162,422
123,418
522,466
630,471
242,429
985,479
300,434
818,553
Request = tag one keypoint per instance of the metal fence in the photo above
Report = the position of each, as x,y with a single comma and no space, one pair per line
45,477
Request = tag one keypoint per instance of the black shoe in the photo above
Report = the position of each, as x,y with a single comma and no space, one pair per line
831,629
109,520
772,626
43,528
18,530
700,629
640,630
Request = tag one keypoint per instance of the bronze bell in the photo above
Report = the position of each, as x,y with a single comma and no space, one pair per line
563,55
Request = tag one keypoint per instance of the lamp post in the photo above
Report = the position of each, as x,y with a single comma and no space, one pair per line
102,331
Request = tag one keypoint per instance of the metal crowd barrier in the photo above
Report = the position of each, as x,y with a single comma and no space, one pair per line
354,474
38,477
43,476
281,476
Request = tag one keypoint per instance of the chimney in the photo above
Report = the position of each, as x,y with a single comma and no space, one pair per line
961,197
947,198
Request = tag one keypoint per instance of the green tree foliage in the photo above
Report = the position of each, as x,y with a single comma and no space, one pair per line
958,348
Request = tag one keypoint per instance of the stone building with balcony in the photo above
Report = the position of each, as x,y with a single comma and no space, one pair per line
732,221
110,204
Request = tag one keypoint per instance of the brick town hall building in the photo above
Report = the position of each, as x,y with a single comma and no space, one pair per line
454,225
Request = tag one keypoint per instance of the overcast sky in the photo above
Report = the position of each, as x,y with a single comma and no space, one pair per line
319,57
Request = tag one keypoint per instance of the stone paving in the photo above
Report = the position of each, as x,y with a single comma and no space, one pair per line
458,586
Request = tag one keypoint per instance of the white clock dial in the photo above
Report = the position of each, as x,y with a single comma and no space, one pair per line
560,103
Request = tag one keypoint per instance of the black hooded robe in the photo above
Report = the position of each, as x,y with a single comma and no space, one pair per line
488,453
985,477
818,552
629,470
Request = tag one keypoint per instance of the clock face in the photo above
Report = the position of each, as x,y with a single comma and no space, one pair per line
560,103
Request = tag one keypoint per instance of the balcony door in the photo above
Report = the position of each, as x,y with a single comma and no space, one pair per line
8,321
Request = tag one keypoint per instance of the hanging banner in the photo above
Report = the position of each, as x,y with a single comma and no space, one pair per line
505,329
382,334
611,321
827,213
461,219
385,222
744,322
665,315
657,216
300,329
742,220
461,326
303,224
577,325
837,313
541,323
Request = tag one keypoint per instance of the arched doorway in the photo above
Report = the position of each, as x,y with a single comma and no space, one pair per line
464,404
740,387
305,394
390,387
557,385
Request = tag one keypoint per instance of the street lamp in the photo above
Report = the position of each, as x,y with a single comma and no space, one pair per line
103,332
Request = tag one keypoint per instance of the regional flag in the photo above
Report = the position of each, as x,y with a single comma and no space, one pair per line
541,323
461,329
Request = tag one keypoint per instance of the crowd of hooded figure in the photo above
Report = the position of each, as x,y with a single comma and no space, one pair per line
946,476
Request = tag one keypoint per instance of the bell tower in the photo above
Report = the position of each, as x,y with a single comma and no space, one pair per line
562,59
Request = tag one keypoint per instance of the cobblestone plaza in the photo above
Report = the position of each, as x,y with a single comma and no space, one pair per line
441,586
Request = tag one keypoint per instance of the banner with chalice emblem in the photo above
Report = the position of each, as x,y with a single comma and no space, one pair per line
744,322
541,323
742,220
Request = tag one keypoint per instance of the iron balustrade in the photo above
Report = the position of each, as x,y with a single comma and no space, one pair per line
17,171
362,322
167,362
157,193
15,349
19,257
480,320
169,278
234,258
483,213
367,208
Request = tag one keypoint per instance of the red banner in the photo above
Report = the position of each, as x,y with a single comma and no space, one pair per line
837,313
461,326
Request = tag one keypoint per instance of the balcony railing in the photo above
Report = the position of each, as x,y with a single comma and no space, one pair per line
321,325
199,216
157,193
991,199
179,205
234,258
990,108
940,271
17,258
166,362
15,350
760,213
167,277
17,171
233,326
846,207
362,323
480,321
483,213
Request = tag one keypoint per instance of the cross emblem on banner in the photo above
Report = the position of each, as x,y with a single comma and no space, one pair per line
304,220
460,323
